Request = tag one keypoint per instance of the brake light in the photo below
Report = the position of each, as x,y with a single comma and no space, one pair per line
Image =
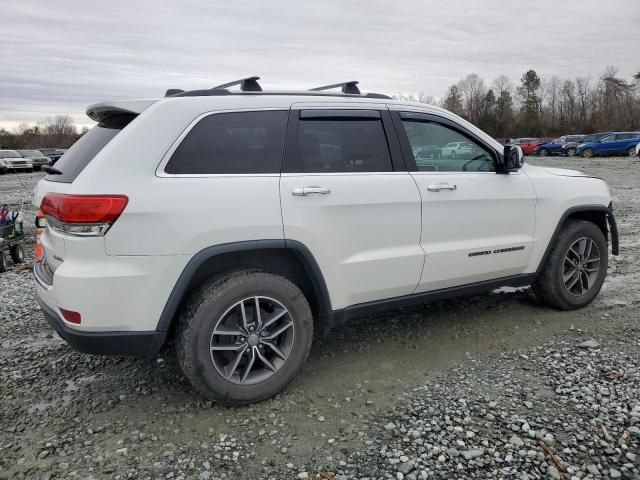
82,215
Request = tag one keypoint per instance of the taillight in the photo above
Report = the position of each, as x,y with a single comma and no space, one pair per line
82,215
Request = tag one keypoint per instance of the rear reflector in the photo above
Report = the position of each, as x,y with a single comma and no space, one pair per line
83,208
40,221
70,316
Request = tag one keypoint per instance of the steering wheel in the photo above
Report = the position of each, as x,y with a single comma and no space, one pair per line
485,168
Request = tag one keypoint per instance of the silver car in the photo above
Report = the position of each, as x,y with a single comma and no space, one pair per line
37,158
12,161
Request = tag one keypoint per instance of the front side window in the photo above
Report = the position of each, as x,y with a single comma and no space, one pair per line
342,145
232,143
608,138
437,147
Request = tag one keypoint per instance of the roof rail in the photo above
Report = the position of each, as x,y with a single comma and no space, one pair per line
249,84
350,87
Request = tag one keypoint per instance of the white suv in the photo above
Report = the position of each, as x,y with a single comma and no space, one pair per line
240,224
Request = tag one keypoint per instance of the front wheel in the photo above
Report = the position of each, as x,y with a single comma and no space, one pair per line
575,270
587,153
544,152
243,337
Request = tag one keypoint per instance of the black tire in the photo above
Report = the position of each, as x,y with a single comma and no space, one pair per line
550,286
544,152
4,262
209,303
632,152
571,152
587,153
17,254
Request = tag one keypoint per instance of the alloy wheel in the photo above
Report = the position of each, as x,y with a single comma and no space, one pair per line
581,266
252,340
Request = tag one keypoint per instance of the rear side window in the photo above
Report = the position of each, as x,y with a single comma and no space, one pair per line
232,143
342,145
87,147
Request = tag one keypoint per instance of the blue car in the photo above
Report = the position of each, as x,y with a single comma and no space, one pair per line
556,146
616,143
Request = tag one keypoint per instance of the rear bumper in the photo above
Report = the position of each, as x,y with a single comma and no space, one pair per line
139,344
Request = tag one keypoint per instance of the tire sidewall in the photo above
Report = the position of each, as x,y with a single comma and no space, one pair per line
213,307
582,229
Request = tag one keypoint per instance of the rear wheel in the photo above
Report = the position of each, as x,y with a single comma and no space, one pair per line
576,267
632,152
571,152
243,337
587,153
4,262
17,254
544,152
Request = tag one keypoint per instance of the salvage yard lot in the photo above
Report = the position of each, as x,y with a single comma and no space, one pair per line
482,387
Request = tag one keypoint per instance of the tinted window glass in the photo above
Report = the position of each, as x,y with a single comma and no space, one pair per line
239,142
84,150
342,145
609,138
436,147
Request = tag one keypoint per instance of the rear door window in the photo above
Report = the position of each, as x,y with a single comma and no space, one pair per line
87,147
232,143
342,145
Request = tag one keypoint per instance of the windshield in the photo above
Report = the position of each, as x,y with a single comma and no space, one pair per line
30,153
591,138
9,154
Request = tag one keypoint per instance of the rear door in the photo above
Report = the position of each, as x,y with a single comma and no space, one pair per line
348,198
477,225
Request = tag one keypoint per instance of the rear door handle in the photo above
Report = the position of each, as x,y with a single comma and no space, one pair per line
312,190
441,186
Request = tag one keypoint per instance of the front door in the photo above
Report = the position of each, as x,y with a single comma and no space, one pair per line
476,224
347,200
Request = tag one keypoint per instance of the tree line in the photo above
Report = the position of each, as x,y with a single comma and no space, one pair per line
544,107
55,132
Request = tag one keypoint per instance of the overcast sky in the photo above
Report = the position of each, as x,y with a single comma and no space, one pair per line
60,56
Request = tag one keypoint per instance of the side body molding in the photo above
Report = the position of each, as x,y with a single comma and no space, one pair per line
303,253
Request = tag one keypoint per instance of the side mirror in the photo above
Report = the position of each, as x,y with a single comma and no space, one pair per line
512,158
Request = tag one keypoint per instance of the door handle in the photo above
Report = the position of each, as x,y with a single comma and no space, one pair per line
312,190
441,186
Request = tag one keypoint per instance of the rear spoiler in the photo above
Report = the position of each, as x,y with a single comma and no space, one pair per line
103,112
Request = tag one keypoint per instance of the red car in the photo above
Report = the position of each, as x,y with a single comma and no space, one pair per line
528,145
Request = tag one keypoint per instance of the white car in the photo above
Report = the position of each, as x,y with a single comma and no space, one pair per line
457,149
12,161
241,224
638,150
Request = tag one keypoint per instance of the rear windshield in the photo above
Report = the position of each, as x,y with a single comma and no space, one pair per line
84,150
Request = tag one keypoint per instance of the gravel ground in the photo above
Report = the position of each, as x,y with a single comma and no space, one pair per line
489,386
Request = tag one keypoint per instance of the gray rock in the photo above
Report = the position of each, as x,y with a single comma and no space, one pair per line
473,453
589,344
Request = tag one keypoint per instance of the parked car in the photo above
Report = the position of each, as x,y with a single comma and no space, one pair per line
37,158
528,145
554,147
616,143
456,150
12,161
53,153
638,150
570,149
284,214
